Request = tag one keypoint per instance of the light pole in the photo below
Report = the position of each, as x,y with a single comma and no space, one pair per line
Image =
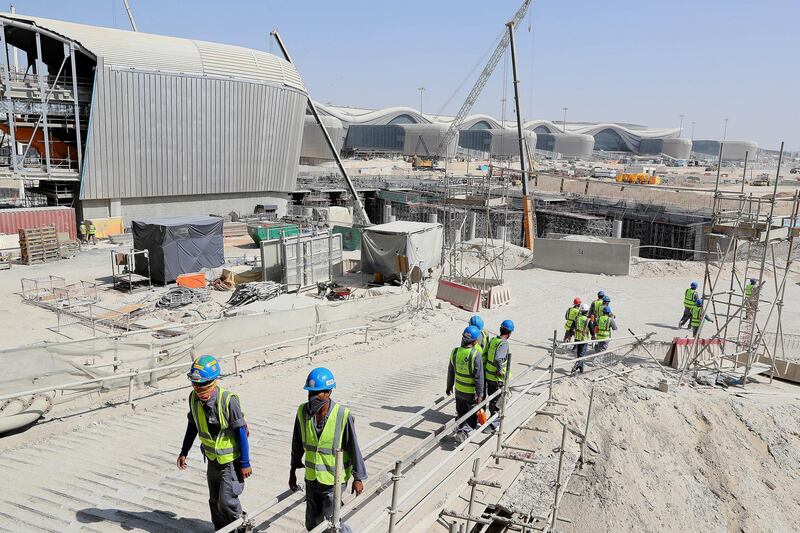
420,89
725,130
681,127
564,124
693,130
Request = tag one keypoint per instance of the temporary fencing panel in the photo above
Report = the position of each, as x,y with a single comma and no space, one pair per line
301,261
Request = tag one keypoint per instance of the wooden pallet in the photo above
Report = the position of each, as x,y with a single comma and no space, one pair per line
39,245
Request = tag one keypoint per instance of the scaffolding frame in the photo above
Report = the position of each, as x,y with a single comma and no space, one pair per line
464,198
749,230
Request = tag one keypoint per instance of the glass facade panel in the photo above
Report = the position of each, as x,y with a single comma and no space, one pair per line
403,119
609,140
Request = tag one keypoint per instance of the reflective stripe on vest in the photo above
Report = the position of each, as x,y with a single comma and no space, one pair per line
224,448
91,229
582,328
463,361
572,313
604,327
483,345
489,368
748,290
597,308
696,312
688,298
320,456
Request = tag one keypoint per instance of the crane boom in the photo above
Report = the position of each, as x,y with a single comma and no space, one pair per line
480,83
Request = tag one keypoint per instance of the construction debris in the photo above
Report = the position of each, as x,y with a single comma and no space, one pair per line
180,296
251,292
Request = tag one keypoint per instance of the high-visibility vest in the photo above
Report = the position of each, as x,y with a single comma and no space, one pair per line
483,345
490,370
689,298
91,229
748,290
320,456
597,307
696,312
604,327
463,361
582,328
224,448
82,229
572,312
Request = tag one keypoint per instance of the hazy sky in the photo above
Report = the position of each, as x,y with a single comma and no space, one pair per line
638,61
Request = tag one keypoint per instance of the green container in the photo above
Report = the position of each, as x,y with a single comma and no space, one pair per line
351,238
270,231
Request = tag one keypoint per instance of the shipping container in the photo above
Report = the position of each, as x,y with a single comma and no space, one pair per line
266,231
13,220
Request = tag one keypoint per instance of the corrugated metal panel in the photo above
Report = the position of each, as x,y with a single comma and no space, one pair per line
314,145
169,135
13,220
147,51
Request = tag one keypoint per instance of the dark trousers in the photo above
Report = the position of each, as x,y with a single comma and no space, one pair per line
687,315
568,334
694,330
580,350
319,504
225,484
494,405
463,405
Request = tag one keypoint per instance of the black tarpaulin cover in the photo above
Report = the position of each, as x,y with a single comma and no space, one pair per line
178,245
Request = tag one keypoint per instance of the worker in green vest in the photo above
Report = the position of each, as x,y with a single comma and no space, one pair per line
750,287
465,375
697,312
596,310
689,297
494,365
605,325
92,232
483,342
322,427
582,329
215,414
82,231
570,316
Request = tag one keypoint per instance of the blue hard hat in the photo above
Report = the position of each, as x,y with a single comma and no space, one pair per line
471,333
507,325
600,294
693,285
698,302
204,368
476,321
607,310
606,299
320,379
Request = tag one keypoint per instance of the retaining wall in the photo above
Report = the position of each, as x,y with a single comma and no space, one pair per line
585,257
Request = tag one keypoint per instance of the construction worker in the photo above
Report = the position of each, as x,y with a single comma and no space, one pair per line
605,325
483,343
494,365
750,287
92,232
569,316
689,297
321,427
465,374
582,333
697,312
215,414
82,231
596,310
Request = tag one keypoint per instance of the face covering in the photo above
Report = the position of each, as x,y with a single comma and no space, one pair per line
315,404
204,393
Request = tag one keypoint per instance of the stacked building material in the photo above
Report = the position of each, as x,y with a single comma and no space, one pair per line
39,245
572,223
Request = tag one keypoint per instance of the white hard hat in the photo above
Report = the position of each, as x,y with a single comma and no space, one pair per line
584,308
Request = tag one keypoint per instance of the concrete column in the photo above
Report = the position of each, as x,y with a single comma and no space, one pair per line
433,218
473,223
616,229
501,233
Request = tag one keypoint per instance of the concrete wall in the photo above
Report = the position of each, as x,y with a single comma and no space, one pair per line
634,243
584,257
213,204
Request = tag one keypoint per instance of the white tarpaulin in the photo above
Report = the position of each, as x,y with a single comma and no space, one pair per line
421,242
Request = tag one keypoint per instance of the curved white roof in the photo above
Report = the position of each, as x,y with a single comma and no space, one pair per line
593,129
350,115
146,51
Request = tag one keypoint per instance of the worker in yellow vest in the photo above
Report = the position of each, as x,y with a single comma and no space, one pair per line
697,312
570,316
689,297
82,231
92,232
215,414
583,332
322,427
750,288
596,309
494,365
465,375
605,325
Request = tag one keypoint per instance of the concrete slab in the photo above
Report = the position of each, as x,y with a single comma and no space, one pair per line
586,257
